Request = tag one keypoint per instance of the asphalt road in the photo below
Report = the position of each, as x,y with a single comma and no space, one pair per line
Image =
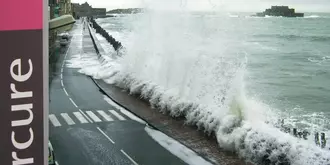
85,129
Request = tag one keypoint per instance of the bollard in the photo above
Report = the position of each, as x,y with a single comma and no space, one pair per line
287,130
323,141
295,132
278,123
116,45
305,134
317,140
300,134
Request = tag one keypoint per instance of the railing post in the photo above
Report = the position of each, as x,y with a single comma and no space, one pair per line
295,132
323,141
317,140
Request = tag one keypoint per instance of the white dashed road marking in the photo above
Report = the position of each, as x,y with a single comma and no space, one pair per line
80,117
73,103
54,120
67,119
105,116
128,157
117,115
65,92
93,116
106,135
85,116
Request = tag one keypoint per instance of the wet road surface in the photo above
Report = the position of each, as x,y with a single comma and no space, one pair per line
85,129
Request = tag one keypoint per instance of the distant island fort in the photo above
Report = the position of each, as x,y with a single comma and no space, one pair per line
278,11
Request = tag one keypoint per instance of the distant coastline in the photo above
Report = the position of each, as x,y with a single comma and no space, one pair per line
125,11
139,10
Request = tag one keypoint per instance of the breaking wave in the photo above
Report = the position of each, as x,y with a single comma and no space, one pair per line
190,72
319,60
312,16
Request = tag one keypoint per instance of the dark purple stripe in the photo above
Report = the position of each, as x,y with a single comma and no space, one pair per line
22,45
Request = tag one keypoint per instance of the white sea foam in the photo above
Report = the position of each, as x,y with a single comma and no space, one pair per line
233,16
312,16
319,60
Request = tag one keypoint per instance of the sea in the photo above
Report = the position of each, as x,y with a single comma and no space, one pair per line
260,69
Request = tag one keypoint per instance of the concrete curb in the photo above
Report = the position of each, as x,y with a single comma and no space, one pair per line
122,106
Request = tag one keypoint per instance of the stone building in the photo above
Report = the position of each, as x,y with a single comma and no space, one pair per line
85,10
65,7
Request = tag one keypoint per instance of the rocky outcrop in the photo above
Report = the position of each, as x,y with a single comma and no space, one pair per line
278,11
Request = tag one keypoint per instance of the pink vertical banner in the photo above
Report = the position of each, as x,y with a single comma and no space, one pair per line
21,14
24,82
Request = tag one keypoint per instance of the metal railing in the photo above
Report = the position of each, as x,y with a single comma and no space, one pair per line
116,44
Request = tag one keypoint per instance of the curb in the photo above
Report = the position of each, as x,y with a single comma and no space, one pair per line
122,106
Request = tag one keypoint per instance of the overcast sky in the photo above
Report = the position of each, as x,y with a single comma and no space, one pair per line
226,5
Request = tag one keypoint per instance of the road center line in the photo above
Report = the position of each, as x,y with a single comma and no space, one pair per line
93,116
65,92
62,83
85,116
106,135
128,157
73,102
80,117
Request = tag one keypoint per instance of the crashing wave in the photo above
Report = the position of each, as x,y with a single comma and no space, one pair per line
256,141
